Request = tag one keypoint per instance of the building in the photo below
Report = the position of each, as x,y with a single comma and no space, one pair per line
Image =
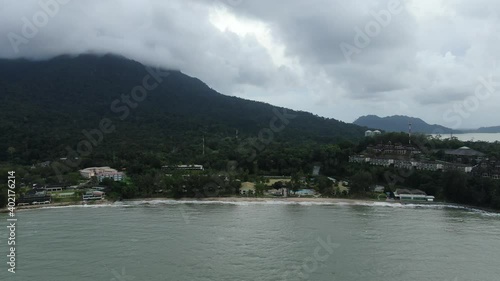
412,195
34,197
315,170
184,167
390,149
411,164
381,162
118,176
102,173
429,166
65,195
53,188
464,151
403,164
489,168
93,171
93,195
247,188
369,133
305,192
278,192
447,166
275,180
359,159
464,155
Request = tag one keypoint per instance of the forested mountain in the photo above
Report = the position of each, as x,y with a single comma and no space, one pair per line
45,105
399,123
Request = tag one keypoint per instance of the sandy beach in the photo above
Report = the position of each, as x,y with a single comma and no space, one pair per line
271,200
210,199
29,207
287,199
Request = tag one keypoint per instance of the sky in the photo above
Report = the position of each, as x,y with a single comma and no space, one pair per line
433,59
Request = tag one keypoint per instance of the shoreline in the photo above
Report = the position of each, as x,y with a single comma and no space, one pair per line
206,199
61,204
266,199
346,201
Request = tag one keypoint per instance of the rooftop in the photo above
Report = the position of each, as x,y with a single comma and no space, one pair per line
464,151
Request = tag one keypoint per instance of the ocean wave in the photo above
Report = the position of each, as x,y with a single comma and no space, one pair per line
157,202
228,202
166,202
77,206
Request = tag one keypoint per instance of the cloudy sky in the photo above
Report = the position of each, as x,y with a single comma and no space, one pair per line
433,59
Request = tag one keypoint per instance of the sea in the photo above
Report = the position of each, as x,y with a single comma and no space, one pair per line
274,240
488,137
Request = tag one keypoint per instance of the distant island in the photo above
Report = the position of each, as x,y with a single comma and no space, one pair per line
492,130
400,123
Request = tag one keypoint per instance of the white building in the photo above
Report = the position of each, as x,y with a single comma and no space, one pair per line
184,167
101,173
412,195
118,176
369,133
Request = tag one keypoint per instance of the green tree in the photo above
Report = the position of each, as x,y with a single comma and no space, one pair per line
360,182
260,188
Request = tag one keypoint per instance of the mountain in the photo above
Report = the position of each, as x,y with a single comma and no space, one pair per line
399,123
48,108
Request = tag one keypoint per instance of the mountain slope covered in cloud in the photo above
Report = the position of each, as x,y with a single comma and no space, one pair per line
420,59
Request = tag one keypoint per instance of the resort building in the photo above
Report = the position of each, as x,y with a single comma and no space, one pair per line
278,192
53,188
102,173
34,197
489,168
370,133
247,188
65,194
305,192
390,149
114,176
464,155
464,151
184,167
410,157
411,164
412,195
359,159
93,195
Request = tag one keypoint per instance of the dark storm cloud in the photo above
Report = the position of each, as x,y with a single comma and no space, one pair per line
314,55
315,29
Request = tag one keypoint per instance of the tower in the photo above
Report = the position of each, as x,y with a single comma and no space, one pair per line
203,145
409,132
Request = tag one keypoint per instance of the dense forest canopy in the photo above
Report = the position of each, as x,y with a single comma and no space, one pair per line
45,106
